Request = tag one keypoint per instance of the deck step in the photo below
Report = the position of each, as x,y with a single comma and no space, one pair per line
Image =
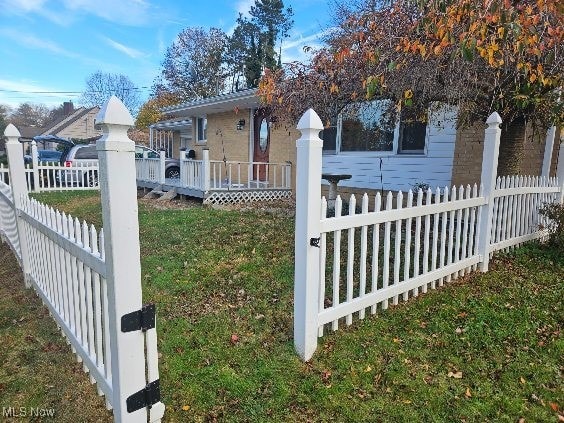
169,195
153,194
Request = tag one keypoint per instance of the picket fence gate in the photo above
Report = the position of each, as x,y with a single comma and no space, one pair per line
90,280
354,263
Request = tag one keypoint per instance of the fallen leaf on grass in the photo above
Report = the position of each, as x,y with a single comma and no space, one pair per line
554,406
468,394
234,339
186,407
368,369
523,381
455,375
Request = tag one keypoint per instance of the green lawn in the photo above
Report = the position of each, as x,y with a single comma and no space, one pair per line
485,348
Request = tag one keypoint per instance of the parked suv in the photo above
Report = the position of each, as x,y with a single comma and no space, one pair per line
79,158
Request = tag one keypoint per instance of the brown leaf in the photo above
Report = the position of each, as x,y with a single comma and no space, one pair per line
468,394
325,375
523,381
185,407
554,406
455,375
234,339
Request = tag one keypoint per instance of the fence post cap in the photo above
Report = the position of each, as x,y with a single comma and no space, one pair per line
12,133
494,119
310,120
114,112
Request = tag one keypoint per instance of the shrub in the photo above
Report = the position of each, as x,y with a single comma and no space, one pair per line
555,214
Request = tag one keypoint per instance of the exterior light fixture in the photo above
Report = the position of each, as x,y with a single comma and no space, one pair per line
240,124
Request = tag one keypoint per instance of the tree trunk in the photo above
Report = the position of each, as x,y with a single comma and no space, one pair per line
511,147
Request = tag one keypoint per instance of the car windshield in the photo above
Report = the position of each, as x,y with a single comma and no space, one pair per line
151,154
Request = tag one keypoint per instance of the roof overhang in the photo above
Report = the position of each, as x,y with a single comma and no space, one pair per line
247,99
173,124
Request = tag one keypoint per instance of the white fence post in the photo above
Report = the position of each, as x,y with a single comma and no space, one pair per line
489,175
308,214
18,183
206,169
548,147
560,171
35,165
116,154
162,166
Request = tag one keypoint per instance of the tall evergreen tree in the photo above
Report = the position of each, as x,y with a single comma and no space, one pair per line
253,45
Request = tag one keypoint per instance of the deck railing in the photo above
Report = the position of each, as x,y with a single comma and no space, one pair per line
249,175
215,175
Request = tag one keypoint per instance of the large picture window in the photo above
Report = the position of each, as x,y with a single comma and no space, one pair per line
367,128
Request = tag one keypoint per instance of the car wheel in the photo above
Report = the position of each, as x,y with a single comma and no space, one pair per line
91,179
172,173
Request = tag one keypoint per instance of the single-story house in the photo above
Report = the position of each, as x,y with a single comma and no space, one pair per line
233,127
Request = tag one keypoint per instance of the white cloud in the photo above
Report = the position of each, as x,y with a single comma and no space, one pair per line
131,52
13,93
128,12
31,41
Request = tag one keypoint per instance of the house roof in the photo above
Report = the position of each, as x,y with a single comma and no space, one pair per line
222,103
65,121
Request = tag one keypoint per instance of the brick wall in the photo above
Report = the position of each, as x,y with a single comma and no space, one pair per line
467,165
468,150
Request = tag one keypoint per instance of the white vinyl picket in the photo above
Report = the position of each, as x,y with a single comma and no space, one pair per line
434,237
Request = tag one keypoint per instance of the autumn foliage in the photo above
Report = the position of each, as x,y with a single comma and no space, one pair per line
481,55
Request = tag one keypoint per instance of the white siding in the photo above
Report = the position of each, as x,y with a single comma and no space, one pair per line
402,171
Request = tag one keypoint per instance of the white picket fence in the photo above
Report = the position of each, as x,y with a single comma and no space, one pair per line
45,176
354,263
90,280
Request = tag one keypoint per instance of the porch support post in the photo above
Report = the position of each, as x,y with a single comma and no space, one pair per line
308,215
35,164
162,166
548,148
489,175
206,171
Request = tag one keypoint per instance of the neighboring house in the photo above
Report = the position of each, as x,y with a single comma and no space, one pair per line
234,128
73,124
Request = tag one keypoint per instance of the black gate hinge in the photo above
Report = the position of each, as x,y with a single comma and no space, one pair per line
146,397
143,319
314,242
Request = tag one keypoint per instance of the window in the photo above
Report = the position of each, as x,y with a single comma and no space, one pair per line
88,152
365,129
201,129
369,128
412,134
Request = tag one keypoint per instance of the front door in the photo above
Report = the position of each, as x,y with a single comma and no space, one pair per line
261,145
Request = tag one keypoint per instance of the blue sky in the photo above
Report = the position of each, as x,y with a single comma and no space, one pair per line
53,46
